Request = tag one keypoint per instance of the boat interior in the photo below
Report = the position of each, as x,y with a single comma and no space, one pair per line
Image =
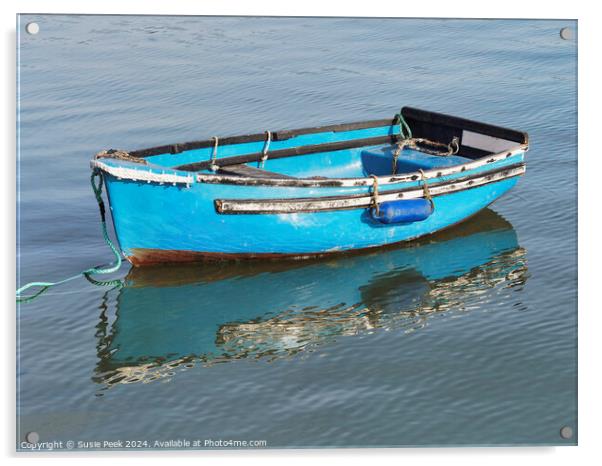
342,151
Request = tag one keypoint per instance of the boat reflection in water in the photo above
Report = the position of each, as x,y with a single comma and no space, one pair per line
170,318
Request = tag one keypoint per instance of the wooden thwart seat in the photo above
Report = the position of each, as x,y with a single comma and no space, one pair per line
250,172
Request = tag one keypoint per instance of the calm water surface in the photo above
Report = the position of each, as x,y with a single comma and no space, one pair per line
468,337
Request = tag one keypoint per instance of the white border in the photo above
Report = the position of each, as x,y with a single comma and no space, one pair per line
590,321
363,181
145,174
149,173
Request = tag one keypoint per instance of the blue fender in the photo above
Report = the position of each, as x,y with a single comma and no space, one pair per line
403,211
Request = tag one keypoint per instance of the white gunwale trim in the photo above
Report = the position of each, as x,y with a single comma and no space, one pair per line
317,204
147,174
143,175
214,178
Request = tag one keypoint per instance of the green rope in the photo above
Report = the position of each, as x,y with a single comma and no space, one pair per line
404,129
117,283
97,188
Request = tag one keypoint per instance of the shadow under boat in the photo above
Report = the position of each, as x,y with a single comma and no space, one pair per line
168,317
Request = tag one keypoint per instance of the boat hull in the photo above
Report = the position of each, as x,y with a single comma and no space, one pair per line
169,223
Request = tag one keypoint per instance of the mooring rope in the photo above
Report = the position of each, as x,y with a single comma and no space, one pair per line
421,144
400,146
404,129
91,271
120,155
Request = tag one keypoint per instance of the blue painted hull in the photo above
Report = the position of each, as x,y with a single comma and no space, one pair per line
319,205
168,218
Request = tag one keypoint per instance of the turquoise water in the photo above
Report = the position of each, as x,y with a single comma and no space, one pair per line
465,338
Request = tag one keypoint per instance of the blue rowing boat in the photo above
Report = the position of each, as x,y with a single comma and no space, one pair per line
307,192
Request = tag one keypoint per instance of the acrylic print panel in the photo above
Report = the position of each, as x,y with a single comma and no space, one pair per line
466,336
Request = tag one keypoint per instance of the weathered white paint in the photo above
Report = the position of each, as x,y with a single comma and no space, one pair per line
147,174
364,181
142,175
316,204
